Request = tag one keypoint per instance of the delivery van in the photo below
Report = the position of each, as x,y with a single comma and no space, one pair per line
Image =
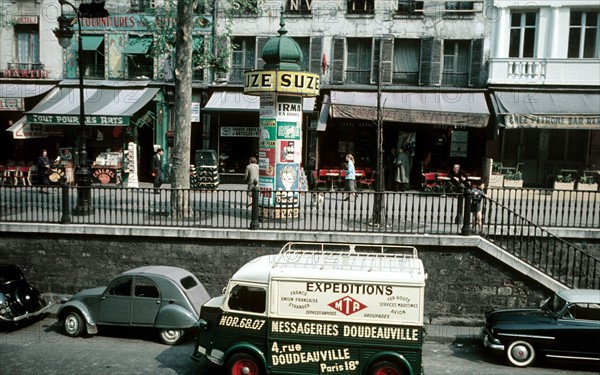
319,308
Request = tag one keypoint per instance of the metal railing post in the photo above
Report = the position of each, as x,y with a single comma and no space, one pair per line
66,204
254,223
466,229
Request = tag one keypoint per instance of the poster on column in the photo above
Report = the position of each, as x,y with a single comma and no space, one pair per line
267,133
286,184
265,187
266,162
267,104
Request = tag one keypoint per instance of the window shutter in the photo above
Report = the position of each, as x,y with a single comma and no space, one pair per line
375,58
316,53
337,66
223,75
476,62
431,62
260,44
387,51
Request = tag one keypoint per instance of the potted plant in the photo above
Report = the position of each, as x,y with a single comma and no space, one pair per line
497,178
587,183
564,182
513,180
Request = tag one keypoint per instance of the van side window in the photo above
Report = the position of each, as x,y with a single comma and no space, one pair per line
247,298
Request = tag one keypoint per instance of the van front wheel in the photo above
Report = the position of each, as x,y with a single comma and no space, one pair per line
385,368
243,364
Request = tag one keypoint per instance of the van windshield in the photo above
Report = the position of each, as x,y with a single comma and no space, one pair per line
247,298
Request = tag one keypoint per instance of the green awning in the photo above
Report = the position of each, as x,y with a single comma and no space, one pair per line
138,45
91,42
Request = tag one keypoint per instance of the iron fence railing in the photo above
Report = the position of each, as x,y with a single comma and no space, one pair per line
539,248
509,216
552,208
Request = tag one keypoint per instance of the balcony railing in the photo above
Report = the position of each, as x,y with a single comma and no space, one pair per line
25,66
544,71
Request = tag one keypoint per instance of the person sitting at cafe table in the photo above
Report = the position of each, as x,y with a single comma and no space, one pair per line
458,179
43,169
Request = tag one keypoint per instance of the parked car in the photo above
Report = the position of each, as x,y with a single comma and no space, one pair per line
167,298
18,299
566,326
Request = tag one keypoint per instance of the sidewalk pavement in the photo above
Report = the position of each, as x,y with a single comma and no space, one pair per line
443,333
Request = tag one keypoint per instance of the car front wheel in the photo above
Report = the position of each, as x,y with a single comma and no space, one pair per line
243,364
73,324
171,336
520,353
385,368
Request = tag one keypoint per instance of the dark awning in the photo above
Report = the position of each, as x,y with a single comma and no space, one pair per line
436,108
553,110
235,101
91,42
103,106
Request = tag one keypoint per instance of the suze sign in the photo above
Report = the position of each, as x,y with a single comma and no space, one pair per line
74,120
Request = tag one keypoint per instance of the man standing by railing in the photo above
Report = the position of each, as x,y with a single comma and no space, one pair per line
157,169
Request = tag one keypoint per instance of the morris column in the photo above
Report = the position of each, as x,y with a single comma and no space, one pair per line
281,87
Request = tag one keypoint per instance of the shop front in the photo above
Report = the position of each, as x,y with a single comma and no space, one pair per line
234,117
436,129
114,118
546,133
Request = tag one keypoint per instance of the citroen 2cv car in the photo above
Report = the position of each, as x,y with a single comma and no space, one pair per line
566,326
19,300
163,297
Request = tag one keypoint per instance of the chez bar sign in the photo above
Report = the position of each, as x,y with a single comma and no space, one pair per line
74,120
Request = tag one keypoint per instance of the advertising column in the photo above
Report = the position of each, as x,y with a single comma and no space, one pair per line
280,145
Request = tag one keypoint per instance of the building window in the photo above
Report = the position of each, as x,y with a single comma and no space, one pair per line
408,7
583,35
358,66
298,6
361,6
28,46
93,56
140,64
243,57
458,7
406,61
522,34
304,44
455,71
140,6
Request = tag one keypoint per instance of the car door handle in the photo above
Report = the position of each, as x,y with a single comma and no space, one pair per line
158,302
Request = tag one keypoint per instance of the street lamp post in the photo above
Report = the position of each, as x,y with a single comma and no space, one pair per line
64,34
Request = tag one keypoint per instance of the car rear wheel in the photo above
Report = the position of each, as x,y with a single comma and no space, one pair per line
243,364
520,353
73,324
171,336
385,368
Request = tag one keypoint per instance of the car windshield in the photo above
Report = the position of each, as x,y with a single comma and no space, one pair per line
554,305
9,274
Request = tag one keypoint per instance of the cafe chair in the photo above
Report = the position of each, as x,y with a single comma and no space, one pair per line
430,182
321,178
23,176
369,180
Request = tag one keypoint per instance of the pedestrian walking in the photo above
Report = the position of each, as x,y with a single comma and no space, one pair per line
157,169
350,179
309,170
43,169
251,177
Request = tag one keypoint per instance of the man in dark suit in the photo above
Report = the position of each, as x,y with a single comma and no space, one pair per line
157,169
